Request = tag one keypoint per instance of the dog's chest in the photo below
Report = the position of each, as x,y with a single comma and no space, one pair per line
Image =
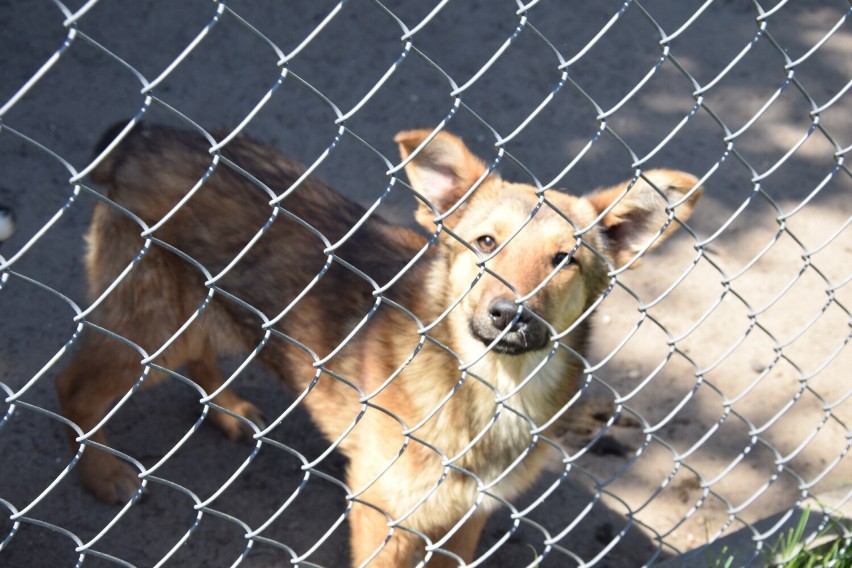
524,398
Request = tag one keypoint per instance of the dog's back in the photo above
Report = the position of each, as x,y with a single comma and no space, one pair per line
229,216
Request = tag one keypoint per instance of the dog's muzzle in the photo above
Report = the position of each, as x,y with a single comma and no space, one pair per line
526,333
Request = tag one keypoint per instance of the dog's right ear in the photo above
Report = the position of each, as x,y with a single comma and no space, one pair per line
442,172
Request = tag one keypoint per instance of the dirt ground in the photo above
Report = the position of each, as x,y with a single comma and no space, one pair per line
727,349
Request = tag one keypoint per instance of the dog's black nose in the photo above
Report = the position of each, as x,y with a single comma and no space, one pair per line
503,311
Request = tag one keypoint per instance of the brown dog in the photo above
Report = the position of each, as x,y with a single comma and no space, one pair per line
439,363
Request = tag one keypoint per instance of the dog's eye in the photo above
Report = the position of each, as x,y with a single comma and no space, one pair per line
486,243
560,256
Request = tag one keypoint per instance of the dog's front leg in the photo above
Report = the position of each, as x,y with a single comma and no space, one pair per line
370,532
402,548
462,543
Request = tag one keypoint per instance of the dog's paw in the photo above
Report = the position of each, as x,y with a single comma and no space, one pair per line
233,427
107,477
580,426
586,418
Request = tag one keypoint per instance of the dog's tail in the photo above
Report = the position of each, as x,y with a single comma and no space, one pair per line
152,168
102,174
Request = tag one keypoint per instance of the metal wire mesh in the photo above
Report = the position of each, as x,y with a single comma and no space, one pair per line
724,357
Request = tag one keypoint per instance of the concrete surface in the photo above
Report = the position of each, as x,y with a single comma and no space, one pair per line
736,317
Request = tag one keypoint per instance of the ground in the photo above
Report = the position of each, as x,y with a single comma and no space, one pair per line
725,352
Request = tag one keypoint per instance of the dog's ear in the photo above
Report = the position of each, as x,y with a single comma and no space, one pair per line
640,214
442,172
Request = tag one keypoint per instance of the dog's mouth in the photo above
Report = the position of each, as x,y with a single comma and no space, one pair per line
526,334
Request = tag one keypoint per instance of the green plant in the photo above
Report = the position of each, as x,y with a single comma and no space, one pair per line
724,560
829,548
536,560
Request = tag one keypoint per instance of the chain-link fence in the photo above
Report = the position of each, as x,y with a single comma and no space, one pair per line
713,399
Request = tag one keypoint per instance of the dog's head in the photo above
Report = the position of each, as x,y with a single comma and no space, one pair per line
526,265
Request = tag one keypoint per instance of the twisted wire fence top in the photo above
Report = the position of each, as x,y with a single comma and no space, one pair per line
716,393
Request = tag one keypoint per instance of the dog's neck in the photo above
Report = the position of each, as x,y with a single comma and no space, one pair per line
536,384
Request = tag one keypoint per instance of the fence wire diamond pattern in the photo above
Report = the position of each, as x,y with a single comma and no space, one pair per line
716,393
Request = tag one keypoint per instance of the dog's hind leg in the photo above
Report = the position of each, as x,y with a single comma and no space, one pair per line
87,388
102,371
151,303
204,370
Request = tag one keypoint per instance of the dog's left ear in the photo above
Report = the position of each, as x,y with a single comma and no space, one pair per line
637,217
442,171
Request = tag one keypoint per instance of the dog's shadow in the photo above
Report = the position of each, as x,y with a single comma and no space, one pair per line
308,507
209,494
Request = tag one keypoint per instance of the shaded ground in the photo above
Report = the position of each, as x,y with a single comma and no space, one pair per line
764,309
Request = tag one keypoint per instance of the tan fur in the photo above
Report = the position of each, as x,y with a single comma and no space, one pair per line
413,471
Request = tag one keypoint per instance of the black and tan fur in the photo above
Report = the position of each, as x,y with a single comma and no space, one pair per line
403,385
